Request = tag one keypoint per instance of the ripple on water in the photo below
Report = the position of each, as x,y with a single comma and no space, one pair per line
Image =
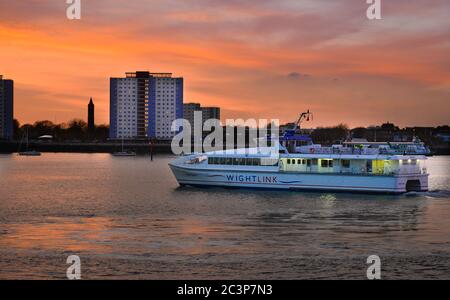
128,219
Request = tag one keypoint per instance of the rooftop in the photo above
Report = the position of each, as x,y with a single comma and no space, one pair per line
146,74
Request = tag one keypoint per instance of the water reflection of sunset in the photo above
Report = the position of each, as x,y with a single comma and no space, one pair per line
58,234
127,219
103,235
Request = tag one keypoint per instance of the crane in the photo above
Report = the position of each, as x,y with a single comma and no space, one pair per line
304,116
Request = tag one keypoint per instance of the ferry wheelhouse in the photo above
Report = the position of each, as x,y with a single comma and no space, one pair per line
306,166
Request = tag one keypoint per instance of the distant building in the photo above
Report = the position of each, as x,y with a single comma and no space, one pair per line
188,111
210,113
91,116
6,108
143,105
207,112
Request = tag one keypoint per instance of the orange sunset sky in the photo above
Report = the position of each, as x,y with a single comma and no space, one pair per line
254,58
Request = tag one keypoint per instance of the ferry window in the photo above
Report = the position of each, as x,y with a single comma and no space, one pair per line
241,161
330,163
299,161
248,161
210,161
314,161
324,163
288,161
294,161
346,163
405,162
414,161
308,163
228,161
256,161
235,161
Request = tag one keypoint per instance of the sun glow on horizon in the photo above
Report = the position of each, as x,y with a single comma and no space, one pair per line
254,59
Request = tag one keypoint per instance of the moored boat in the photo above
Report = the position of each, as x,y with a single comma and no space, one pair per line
28,152
124,153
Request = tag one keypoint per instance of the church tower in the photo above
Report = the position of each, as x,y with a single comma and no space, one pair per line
91,116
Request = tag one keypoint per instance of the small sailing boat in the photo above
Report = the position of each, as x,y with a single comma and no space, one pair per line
28,152
124,153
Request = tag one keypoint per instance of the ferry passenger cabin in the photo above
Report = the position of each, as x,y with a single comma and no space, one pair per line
321,164
416,147
354,166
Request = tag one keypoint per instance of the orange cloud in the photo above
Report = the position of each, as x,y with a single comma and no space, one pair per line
237,55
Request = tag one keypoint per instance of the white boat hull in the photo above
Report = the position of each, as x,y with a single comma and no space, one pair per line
396,184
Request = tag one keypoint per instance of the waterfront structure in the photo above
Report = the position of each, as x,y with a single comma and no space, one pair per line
6,108
143,105
91,116
298,164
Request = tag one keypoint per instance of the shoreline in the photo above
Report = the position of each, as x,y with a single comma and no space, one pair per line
65,147
8,147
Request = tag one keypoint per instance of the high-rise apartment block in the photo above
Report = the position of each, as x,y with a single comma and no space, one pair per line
6,108
143,105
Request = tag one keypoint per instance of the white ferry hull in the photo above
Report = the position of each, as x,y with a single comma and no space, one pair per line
298,181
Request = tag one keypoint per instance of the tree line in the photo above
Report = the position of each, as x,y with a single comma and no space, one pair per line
74,130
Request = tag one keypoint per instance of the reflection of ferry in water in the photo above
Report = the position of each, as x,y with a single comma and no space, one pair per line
301,165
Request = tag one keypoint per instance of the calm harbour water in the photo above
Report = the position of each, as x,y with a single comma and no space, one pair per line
127,219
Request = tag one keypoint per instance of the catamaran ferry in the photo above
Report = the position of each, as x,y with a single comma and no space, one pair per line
306,167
